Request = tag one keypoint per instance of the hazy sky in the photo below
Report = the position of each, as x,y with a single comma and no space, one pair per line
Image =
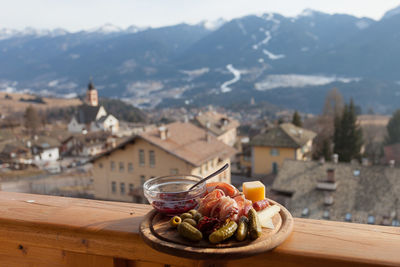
83,14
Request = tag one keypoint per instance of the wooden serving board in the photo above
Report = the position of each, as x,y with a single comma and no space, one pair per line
155,231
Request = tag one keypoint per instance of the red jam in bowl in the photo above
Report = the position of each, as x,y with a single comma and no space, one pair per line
171,195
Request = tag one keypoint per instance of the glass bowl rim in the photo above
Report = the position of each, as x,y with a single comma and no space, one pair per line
200,186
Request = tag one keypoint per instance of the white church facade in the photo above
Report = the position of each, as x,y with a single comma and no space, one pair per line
91,117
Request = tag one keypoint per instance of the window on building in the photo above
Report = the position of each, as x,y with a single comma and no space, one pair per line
131,188
274,167
122,188
152,158
274,152
212,164
206,167
112,166
101,165
173,171
141,157
371,219
121,166
305,212
130,167
113,187
326,215
142,179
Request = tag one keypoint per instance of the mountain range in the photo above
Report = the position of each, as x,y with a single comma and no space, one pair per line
288,61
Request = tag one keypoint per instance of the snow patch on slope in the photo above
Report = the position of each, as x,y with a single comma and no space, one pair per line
264,41
241,27
273,56
193,74
298,80
270,17
236,73
362,24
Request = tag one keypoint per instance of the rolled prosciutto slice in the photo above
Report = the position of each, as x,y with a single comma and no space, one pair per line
228,189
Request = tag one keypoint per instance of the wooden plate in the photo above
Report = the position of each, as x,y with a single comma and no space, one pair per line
155,231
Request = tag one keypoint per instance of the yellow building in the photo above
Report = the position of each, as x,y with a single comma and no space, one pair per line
219,125
286,141
177,148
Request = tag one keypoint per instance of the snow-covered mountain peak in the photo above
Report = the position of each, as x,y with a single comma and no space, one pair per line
58,32
135,29
106,28
308,12
7,33
213,25
392,12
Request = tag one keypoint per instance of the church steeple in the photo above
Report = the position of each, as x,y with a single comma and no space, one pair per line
91,85
91,95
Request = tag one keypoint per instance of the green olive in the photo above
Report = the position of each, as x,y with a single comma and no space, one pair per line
175,221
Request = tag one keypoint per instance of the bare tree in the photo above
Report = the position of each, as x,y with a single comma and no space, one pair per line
333,107
334,103
32,120
373,141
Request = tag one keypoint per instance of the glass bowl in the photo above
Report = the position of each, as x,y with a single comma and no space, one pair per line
169,194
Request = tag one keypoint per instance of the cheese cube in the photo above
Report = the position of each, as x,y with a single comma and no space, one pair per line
254,191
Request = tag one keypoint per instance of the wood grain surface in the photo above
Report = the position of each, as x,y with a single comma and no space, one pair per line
38,230
157,233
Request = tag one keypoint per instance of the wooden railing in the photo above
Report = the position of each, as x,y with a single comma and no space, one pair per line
38,230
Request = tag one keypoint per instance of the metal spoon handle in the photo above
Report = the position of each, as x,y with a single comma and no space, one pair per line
223,168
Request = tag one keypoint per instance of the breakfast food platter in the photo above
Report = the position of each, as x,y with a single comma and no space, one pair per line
156,231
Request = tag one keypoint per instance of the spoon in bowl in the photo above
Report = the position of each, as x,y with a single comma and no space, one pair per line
223,168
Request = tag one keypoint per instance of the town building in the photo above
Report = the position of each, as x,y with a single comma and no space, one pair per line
91,117
15,155
46,153
271,148
44,148
340,191
176,148
220,125
392,154
87,145
132,128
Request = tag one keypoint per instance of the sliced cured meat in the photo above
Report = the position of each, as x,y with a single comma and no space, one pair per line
210,201
217,205
244,205
227,209
228,189
224,201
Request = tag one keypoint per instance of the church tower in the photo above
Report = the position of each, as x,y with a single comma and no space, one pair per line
91,95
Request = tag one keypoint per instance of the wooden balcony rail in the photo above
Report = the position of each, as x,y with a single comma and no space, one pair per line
38,230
